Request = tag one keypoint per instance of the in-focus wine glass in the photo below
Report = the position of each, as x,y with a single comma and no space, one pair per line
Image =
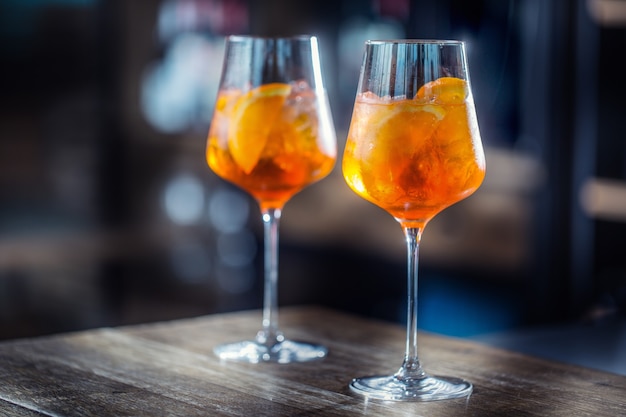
413,149
272,135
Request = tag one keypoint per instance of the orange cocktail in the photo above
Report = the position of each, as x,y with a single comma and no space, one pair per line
272,135
269,141
413,149
415,156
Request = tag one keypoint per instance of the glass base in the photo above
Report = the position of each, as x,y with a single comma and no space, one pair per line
287,351
428,388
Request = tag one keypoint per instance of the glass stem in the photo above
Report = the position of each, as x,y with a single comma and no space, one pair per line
411,368
269,335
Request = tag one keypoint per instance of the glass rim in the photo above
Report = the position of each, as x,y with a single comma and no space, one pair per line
303,37
414,42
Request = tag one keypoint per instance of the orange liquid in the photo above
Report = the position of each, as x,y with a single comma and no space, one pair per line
413,157
297,151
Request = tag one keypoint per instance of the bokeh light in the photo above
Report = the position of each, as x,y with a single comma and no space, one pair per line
184,199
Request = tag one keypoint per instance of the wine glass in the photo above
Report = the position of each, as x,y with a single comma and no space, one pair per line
413,149
272,135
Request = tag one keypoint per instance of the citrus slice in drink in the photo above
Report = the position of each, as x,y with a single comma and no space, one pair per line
448,90
385,142
398,129
251,122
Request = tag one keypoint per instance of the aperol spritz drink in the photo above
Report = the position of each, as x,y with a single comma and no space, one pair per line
413,149
270,141
415,156
272,135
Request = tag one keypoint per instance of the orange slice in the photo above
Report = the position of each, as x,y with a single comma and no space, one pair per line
385,141
399,128
251,122
404,134
448,90
387,137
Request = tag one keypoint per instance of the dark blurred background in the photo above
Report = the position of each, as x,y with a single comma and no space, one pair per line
110,216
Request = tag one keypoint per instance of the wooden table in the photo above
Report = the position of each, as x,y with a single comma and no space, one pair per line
167,369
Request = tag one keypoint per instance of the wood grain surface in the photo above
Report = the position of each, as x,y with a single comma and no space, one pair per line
168,369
